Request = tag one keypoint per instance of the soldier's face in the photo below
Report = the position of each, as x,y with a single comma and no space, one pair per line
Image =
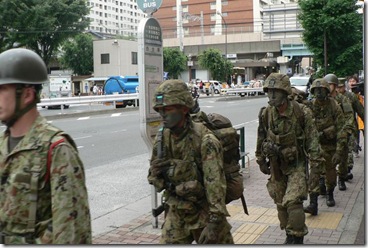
172,116
276,97
341,89
320,93
7,101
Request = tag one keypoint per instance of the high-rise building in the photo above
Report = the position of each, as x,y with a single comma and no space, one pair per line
114,17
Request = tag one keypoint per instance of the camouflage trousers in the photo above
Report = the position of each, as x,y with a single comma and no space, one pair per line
329,172
177,229
288,194
343,166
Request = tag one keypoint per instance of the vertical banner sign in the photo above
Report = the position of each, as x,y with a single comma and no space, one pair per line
150,65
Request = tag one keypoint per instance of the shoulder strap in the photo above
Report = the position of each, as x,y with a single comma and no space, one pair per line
298,113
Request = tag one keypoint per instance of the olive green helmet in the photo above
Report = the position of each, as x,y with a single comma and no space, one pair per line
341,82
22,66
172,92
320,83
331,79
277,81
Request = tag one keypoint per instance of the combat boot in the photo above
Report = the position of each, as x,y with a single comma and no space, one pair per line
289,239
313,205
341,183
330,201
350,175
298,240
322,186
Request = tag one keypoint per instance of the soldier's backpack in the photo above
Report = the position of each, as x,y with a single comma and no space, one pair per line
229,138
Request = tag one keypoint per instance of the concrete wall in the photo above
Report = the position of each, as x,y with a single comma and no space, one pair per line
120,53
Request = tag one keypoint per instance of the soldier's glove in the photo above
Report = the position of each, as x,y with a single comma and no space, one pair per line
264,166
211,233
336,159
158,166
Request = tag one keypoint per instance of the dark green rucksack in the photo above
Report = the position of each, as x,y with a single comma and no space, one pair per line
229,138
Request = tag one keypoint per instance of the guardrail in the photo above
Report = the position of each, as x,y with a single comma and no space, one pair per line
243,91
86,99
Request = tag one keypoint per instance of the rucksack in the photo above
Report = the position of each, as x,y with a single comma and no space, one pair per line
224,131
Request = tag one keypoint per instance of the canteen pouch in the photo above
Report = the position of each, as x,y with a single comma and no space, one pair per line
192,191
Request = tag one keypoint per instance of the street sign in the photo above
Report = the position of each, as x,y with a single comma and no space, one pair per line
149,6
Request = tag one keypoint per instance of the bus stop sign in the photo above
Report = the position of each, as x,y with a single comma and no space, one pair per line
149,6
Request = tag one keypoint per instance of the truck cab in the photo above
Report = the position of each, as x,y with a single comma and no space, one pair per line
121,85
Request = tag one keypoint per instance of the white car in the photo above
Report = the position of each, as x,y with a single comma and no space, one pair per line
301,83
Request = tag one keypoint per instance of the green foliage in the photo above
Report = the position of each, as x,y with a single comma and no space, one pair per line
41,25
78,54
343,27
174,62
219,67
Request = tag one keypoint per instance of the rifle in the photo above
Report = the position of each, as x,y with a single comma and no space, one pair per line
157,211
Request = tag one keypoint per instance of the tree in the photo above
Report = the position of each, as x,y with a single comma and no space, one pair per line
174,62
212,60
337,23
41,25
78,54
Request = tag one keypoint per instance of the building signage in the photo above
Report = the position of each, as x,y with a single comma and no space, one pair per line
149,6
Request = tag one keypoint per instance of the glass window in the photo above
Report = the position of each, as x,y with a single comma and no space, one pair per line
134,58
105,58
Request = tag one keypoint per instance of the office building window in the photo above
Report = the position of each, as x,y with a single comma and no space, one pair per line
105,58
134,58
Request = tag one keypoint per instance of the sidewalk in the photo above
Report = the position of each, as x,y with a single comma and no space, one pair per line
332,225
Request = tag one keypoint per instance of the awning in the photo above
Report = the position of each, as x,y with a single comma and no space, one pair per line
96,79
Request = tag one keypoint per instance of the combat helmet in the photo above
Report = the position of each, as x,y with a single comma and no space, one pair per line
341,82
277,81
172,92
320,83
22,66
331,79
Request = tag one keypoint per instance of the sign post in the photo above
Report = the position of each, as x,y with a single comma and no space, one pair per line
149,6
150,72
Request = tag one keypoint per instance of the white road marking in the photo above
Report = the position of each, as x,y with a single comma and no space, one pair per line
83,118
116,114
80,147
83,137
122,130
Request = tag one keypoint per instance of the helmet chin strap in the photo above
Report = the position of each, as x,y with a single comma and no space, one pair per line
19,112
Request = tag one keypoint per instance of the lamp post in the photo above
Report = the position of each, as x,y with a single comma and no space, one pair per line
190,64
220,14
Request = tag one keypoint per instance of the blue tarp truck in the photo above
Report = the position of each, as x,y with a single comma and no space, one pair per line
121,85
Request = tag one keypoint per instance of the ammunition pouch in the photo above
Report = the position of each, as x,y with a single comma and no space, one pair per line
191,191
286,146
329,133
181,171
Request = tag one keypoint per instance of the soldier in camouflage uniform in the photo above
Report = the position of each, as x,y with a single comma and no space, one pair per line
187,163
329,121
358,109
349,127
286,133
43,197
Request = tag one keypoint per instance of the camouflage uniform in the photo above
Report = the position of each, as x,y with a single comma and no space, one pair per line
358,109
284,140
348,127
329,121
193,179
43,197
62,212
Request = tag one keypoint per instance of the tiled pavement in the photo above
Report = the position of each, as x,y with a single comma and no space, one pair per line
333,225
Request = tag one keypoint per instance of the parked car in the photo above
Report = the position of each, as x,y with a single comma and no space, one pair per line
301,83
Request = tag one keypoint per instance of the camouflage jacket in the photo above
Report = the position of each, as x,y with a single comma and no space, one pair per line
355,104
202,152
348,113
305,134
57,199
330,122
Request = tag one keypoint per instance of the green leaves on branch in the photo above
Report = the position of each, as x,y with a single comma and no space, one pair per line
219,67
175,62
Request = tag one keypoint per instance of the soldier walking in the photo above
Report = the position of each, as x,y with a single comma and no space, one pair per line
43,197
286,134
348,127
187,163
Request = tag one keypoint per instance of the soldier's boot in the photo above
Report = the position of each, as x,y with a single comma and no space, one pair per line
341,183
350,175
322,186
289,239
298,240
313,204
330,201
